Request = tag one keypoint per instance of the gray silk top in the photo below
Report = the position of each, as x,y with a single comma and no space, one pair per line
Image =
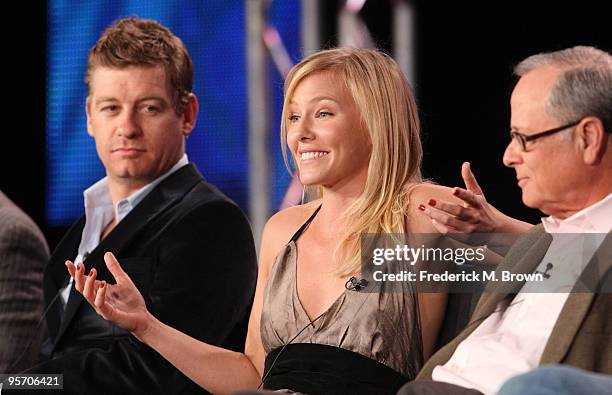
380,325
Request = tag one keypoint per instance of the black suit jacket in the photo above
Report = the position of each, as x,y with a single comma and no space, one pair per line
190,251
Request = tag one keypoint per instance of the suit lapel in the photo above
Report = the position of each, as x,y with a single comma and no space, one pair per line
56,276
525,255
56,273
572,315
518,262
156,202
578,304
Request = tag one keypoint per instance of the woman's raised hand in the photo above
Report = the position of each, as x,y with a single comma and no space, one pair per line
474,215
120,303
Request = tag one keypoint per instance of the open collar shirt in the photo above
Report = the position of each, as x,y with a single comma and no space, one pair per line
100,211
511,341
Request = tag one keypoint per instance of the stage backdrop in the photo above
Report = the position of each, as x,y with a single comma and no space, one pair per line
214,33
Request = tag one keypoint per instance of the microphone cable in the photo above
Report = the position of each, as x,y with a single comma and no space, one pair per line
311,323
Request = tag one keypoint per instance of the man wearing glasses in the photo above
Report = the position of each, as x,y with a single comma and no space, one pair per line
561,150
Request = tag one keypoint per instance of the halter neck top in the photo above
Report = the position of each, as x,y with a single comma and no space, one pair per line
380,325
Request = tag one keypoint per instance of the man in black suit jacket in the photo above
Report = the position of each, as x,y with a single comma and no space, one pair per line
188,248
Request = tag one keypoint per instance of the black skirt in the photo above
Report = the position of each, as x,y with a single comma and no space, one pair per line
320,369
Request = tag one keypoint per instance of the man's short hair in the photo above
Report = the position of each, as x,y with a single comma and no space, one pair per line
584,86
144,42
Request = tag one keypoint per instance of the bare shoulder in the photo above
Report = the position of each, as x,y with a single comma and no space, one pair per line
420,193
282,225
285,223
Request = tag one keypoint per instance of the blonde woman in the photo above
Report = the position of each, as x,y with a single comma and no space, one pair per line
351,126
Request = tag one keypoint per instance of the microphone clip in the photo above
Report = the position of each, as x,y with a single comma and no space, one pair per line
545,274
356,285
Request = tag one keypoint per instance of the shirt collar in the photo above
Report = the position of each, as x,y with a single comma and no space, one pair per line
98,195
593,219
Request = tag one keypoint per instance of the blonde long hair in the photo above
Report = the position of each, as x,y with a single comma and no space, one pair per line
388,112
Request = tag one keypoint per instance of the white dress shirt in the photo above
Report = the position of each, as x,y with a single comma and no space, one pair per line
99,212
511,340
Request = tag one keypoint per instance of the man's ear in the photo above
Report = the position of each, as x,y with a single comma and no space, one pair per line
88,115
190,114
592,139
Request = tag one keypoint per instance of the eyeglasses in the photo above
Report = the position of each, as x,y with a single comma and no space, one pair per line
523,138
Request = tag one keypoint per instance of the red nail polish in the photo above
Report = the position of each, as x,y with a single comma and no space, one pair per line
421,207
431,202
91,273
102,285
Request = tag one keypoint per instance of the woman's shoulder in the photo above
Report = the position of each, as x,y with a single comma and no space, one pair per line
418,194
421,192
282,226
291,218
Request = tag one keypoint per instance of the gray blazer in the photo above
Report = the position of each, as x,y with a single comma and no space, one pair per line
582,335
23,256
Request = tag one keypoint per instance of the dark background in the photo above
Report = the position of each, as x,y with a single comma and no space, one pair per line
465,51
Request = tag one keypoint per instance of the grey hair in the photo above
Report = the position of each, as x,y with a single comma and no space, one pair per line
584,86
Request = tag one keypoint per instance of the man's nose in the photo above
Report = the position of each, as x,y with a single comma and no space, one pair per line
512,154
129,126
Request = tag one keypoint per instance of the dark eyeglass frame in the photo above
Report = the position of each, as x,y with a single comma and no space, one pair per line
524,138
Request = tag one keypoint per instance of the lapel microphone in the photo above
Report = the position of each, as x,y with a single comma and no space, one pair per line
356,285
549,267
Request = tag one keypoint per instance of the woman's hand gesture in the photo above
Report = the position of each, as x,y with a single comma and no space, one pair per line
120,303
475,215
